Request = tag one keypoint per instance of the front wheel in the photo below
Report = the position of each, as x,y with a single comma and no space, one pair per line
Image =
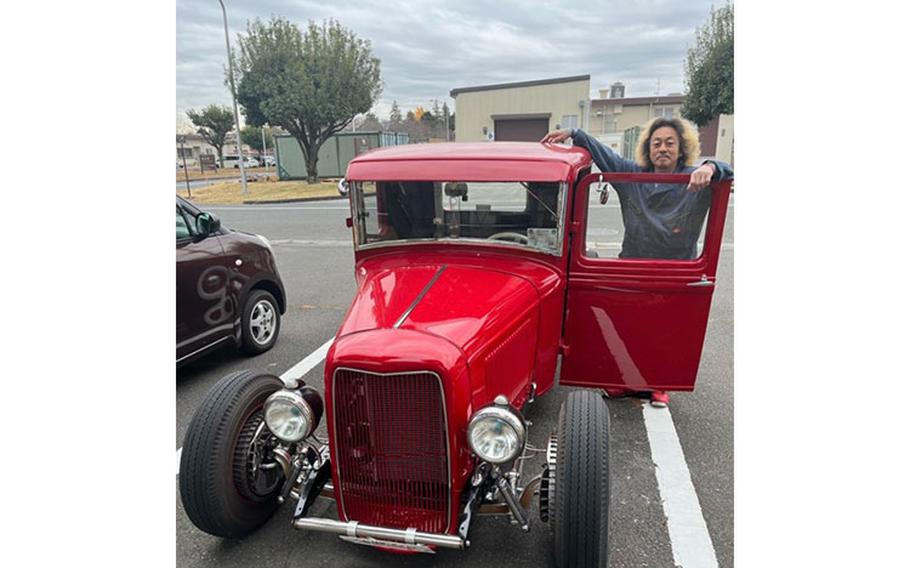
581,520
229,482
261,322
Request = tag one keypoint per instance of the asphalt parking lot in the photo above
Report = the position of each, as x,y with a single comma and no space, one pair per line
315,257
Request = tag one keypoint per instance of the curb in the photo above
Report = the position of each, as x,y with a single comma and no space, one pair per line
294,200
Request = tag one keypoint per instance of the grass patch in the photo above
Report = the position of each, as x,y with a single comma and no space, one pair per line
229,192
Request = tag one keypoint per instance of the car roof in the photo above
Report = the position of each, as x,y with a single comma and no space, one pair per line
474,161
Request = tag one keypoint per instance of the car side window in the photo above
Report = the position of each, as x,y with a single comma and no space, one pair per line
183,227
645,220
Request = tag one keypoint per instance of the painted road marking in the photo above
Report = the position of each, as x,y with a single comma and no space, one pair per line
308,362
303,367
689,537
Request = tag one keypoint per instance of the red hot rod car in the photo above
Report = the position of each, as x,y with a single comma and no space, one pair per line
480,269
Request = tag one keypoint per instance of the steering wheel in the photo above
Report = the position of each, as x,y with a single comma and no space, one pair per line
510,236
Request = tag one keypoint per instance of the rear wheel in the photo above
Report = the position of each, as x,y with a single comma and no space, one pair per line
581,508
229,483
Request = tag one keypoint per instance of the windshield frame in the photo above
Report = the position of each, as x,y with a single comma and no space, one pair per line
358,210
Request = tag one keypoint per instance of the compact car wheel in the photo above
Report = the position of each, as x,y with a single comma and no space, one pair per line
261,322
229,482
581,515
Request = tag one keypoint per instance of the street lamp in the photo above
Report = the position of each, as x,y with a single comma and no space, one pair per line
227,42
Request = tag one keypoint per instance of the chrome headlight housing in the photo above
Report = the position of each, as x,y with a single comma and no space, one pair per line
496,434
289,416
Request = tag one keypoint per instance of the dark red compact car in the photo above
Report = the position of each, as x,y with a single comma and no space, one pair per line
228,287
482,270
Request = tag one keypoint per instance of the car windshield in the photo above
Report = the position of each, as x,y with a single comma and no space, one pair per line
520,214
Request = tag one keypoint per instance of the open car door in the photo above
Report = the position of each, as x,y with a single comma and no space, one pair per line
636,323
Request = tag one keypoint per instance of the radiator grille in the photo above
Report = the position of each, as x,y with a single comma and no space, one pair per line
392,450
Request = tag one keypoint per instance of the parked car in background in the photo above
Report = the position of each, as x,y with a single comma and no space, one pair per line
233,161
228,287
268,160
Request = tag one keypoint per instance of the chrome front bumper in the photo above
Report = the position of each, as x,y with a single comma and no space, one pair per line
355,530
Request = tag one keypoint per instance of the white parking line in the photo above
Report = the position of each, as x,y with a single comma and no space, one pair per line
300,369
308,362
689,537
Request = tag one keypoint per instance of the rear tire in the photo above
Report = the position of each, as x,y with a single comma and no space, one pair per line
581,516
217,493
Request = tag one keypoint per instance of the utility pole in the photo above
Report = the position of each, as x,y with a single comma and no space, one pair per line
227,42
186,173
262,130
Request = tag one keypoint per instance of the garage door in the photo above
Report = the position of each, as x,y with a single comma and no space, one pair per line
521,130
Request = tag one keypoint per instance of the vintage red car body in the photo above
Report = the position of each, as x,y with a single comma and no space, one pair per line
462,316
491,320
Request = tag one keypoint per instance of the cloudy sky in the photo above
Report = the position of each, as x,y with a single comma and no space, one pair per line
428,48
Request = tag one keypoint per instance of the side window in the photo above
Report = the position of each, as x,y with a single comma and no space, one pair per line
183,226
645,220
569,121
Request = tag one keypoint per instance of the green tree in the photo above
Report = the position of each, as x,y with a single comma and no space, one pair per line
369,122
709,69
312,83
213,123
252,137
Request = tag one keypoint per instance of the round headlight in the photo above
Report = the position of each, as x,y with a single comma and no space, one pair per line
288,416
496,434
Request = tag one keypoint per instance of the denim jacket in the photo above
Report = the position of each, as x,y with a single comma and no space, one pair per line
661,220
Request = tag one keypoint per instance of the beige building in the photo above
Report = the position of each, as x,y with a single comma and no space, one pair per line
526,111
523,111
616,119
616,122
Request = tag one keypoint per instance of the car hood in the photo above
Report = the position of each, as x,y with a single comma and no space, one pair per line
466,305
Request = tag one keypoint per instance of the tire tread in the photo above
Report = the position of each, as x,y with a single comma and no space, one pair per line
207,444
582,514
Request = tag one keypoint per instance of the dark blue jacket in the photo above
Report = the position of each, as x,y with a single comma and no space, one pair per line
662,220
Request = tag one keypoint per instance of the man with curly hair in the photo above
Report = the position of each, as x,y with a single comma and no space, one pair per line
661,220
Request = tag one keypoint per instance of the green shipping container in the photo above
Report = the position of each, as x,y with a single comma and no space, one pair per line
334,154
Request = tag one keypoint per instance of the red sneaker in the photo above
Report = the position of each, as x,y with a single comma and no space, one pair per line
617,393
659,399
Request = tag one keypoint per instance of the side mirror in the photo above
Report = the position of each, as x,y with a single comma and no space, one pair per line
206,224
343,187
604,191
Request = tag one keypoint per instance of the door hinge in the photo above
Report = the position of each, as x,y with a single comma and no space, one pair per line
574,226
563,348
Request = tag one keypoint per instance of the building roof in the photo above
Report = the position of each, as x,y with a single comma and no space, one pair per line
455,92
663,100
474,161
